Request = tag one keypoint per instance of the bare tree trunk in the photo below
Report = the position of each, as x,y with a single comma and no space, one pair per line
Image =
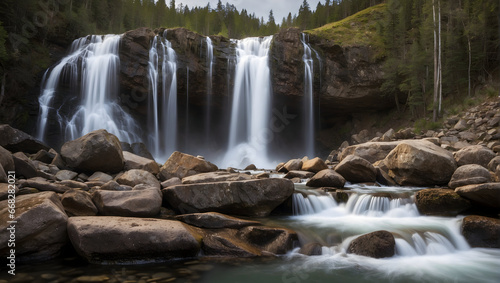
435,104
469,67
2,91
439,60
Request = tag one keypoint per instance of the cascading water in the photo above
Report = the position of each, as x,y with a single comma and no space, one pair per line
251,105
95,61
210,63
308,97
162,101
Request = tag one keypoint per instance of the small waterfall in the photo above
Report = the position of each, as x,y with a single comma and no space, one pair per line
249,132
377,206
95,61
308,97
311,204
209,62
162,101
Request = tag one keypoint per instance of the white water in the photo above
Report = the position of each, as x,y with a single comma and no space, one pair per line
209,63
249,130
162,140
94,60
308,132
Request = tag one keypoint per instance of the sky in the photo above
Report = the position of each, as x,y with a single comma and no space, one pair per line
261,8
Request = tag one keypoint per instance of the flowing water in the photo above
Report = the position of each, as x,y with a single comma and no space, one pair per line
308,97
209,63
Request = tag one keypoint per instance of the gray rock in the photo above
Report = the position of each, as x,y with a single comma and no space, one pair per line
6,160
43,185
214,220
219,176
293,164
171,182
15,140
474,154
66,175
100,177
371,151
493,164
133,161
469,174
484,195
24,166
137,176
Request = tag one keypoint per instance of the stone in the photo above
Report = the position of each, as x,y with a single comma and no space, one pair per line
114,186
183,165
6,160
171,182
43,185
15,140
461,125
78,203
44,156
95,151
378,244
248,198
137,176
281,167
384,178
218,176
481,231
356,169
228,244
263,175
106,239
371,151
24,166
3,175
134,203
469,174
314,165
66,175
474,154
299,174
214,220
326,178
251,167
100,177
133,161
404,134
74,185
469,136
40,229
269,239
140,149
441,202
493,164
420,163
311,249
293,164
484,195
388,136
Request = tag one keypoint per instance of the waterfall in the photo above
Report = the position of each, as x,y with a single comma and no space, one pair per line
162,101
308,97
209,63
249,132
95,61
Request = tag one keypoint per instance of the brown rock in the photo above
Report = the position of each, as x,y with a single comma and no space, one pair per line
474,154
219,176
78,203
268,239
133,161
137,176
134,203
299,174
481,232
183,165
469,174
6,160
214,220
485,195
43,185
311,249
371,151
15,140
442,202
24,166
326,178
493,164
314,165
293,164
356,169
378,244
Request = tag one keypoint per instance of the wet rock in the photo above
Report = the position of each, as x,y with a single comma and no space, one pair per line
24,166
378,244
469,174
420,163
95,151
249,197
40,229
356,169
121,239
133,161
484,195
269,239
299,174
133,203
293,164
214,220
183,165
66,175
15,140
326,178
442,202
137,176
481,231
311,249
78,203
219,176
474,154
314,165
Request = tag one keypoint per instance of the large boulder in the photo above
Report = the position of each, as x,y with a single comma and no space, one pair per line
15,140
6,160
136,177
326,178
24,166
95,151
420,163
484,195
219,176
469,174
378,244
314,165
293,164
371,151
249,198
183,165
481,231
356,169
39,223
107,239
78,203
133,161
134,203
442,202
474,154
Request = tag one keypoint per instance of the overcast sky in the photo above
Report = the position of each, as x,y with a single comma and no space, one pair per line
261,8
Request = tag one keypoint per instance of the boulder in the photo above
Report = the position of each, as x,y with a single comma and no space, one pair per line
326,178
44,156
43,185
95,151
371,151
493,164
133,203
314,165
311,249
6,190
219,176
74,185
183,165
356,169
481,231
420,163
474,154
105,239
299,174
171,182
442,202
66,175
15,140
293,164
24,166
227,244
137,176
40,228
269,239
251,167
133,161
469,174
214,220
378,244
100,177
248,198
6,160
484,195
78,203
